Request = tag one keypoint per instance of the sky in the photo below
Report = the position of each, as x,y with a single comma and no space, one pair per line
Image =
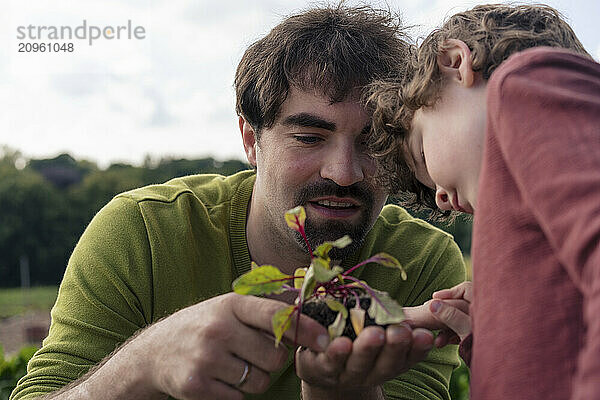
167,92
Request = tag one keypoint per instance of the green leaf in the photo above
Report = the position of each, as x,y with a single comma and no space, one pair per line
337,326
388,261
265,279
295,218
309,283
337,306
388,312
342,242
324,248
322,271
281,322
299,281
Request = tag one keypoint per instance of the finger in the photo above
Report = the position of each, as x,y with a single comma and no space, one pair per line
258,348
231,370
454,339
323,368
461,291
462,305
454,319
392,360
258,313
365,350
209,389
422,342
422,317
445,337
219,390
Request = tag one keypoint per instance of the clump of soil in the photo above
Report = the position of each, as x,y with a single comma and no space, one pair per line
320,312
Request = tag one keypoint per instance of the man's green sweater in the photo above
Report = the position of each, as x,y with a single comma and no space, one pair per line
158,249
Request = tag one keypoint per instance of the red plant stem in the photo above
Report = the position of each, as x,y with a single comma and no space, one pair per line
298,312
356,266
291,289
303,233
357,305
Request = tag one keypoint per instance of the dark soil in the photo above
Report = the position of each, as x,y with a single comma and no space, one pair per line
319,311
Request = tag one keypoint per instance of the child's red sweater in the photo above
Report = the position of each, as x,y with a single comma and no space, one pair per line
536,237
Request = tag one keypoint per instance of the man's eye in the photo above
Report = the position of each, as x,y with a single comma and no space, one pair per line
307,139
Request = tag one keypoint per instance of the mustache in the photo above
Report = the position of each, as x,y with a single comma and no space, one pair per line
358,191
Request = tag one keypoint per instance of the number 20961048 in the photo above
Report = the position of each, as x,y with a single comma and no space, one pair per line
25,47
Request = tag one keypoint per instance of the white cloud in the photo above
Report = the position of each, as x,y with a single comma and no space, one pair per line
169,94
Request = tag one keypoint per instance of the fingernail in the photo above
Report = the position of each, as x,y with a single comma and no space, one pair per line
424,339
323,341
435,306
397,334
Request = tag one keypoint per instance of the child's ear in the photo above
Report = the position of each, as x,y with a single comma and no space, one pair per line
454,62
249,139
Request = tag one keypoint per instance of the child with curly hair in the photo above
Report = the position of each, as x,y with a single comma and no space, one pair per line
500,117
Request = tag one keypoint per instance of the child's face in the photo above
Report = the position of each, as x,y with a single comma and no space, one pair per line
445,145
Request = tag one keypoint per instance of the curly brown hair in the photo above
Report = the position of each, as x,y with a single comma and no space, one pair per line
492,32
335,50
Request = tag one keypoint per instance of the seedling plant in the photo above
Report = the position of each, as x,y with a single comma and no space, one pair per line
325,283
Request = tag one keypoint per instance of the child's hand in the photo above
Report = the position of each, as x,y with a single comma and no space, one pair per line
447,311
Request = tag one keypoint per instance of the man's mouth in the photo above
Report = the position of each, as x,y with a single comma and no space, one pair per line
336,205
335,208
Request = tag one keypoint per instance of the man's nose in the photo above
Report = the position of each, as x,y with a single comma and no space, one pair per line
344,166
442,199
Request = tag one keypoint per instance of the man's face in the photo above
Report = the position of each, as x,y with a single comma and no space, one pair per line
314,156
445,145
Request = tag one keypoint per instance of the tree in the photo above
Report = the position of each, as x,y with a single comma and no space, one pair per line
32,224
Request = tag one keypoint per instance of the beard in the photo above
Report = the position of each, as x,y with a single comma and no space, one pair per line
319,232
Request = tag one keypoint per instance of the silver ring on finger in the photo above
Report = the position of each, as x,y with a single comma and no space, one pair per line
245,374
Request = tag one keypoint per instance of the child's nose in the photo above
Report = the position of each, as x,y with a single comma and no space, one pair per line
442,199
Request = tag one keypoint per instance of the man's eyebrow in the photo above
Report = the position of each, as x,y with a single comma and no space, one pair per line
309,121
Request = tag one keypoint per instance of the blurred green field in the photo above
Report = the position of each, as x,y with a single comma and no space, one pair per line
17,301
469,268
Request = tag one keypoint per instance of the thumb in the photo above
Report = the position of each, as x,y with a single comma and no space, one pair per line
452,317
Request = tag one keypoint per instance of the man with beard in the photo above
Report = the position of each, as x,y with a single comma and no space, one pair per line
154,268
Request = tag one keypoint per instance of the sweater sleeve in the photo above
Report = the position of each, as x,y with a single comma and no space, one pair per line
548,121
105,296
430,379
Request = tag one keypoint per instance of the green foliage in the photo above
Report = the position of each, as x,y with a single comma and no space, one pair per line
459,383
33,222
385,310
265,279
11,370
323,272
45,205
281,322
322,281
